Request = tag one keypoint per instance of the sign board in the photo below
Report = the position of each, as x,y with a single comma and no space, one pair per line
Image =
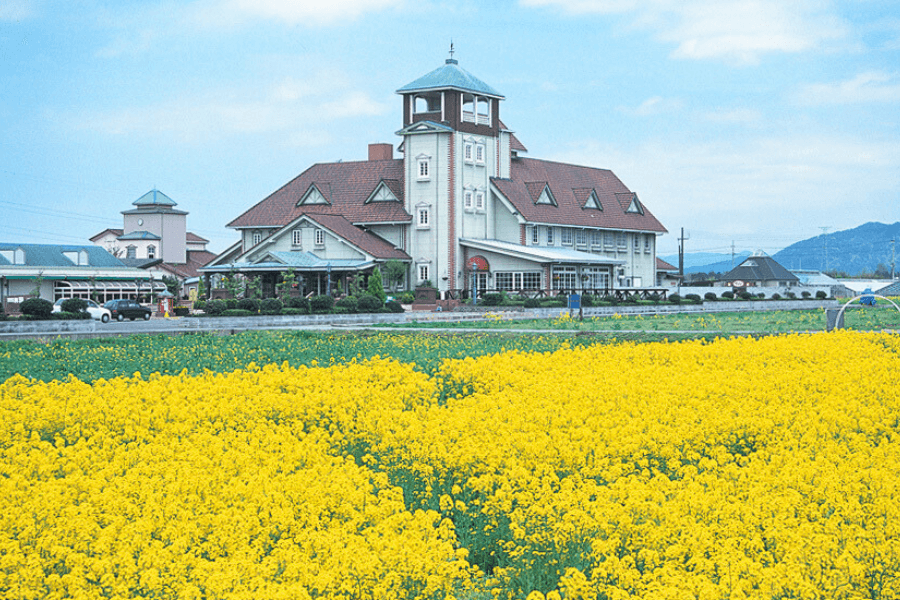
574,301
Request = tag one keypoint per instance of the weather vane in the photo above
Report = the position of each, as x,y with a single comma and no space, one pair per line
451,49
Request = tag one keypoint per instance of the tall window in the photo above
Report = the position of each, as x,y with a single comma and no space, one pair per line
131,252
647,244
564,278
257,238
637,242
297,238
479,153
423,273
423,169
535,235
621,241
424,217
467,202
320,238
580,237
479,200
566,236
467,151
151,251
596,239
549,236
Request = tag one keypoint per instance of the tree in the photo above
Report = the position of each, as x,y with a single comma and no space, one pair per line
254,287
355,284
38,281
394,272
171,284
376,285
232,284
288,280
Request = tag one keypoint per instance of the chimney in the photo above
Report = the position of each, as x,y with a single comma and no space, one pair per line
381,151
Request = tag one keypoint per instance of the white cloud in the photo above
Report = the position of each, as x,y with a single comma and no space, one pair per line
736,115
292,12
15,10
775,190
736,31
872,86
653,106
288,107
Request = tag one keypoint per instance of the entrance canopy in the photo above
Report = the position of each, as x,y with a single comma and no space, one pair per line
541,254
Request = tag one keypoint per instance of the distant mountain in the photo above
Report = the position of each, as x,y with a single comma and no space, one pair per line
853,251
704,262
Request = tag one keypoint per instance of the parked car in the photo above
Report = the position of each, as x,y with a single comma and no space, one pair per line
95,310
127,309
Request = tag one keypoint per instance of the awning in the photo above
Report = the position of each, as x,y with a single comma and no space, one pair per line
113,286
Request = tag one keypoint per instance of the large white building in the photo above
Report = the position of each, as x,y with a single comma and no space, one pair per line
461,207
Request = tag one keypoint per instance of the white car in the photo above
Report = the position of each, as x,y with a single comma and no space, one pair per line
95,310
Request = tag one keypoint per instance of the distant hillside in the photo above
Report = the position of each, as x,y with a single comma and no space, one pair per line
704,262
853,251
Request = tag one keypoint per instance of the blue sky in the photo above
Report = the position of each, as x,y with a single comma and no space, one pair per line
753,122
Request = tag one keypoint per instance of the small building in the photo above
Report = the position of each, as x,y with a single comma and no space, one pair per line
759,270
52,272
154,237
667,275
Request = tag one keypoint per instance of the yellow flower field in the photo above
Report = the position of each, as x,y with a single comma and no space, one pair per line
739,468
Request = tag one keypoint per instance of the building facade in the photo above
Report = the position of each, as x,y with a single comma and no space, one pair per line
463,209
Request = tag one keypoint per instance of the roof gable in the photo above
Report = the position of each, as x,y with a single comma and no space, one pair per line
314,195
540,192
587,198
384,192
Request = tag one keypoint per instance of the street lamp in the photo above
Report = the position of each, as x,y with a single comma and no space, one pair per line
474,282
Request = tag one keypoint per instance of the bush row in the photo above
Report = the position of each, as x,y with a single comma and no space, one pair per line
366,303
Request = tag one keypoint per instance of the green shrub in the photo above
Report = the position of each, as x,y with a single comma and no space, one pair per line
231,303
350,304
711,296
532,303
806,295
406,298
182,311
745,295
248,304
587,300
695,298
491,299
674,298
369,303
200,305
341,310
393,306
821,295
776,296
271,306
69,316
238,312
729,295
654,298
36,308
299,302
74,305
293,311
216,307
791,296
321,304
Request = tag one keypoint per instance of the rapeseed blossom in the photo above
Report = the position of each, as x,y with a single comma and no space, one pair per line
738,468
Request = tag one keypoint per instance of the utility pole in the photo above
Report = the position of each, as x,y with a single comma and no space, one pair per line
681,254
825,242
892,259
732,254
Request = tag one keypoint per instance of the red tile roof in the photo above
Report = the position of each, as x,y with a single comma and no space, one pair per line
195,260
366,241
662,265
193,237
346,185
570,186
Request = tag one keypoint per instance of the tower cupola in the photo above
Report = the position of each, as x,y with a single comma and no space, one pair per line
453,97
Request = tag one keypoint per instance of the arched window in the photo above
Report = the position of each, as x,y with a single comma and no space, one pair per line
151,251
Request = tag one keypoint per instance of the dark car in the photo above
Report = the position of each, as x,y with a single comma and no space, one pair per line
127,309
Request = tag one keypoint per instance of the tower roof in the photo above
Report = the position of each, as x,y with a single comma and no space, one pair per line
451,76
154,198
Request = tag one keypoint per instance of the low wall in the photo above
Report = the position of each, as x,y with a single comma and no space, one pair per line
91,328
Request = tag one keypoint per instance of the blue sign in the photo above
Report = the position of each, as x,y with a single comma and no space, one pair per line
574,301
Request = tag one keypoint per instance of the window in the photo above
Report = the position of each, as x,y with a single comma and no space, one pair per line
131,252
467,151
479,200
512,281
609,241
580,237
647,244
479,154
423,273
535,235
297,238
423,218
423,169
564,278
467,203
151,251
621,241
320,238
596,239
595,278
549,236
257,238
566,236
637,242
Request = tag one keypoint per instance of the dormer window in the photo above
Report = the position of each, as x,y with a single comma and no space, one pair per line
151,251
256,238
